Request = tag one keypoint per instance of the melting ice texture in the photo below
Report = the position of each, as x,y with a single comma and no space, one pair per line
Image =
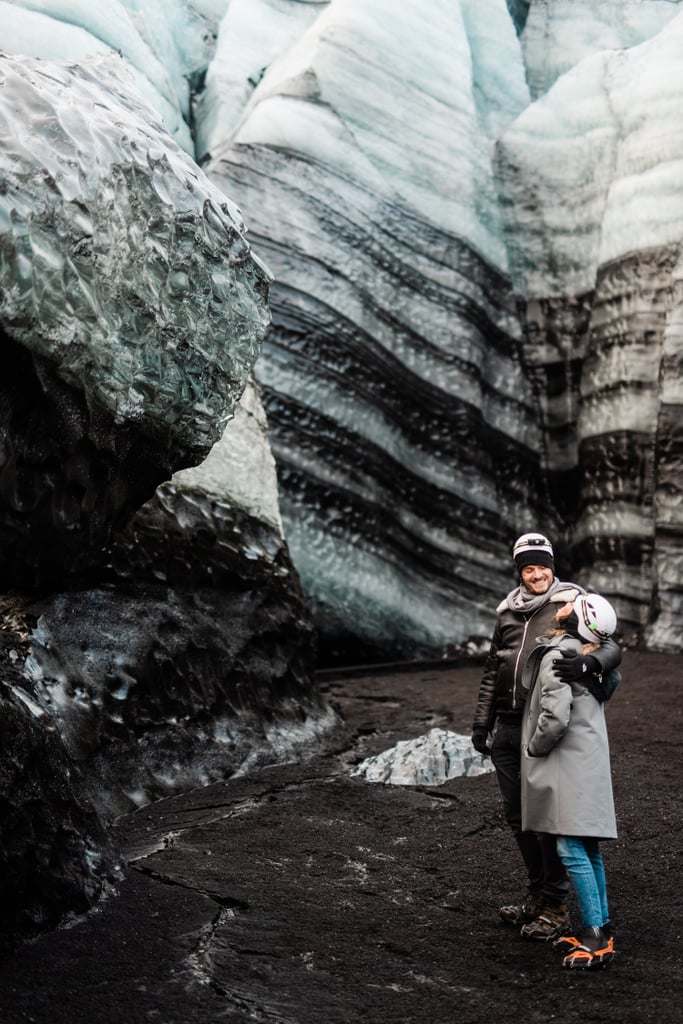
164,43
591,183
392,369
121,263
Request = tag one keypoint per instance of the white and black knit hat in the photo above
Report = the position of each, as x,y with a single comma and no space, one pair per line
533,549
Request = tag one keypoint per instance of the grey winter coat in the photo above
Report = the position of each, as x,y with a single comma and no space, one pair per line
566,779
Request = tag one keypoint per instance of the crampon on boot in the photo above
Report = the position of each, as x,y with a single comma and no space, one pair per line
593,949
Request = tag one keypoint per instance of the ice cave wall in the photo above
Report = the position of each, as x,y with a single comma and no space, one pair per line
428,396
155,635
473,225
399,417
401,374
590,182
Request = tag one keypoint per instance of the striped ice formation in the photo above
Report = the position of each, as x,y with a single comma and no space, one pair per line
590,179
404,433
473,210
473,220
474,309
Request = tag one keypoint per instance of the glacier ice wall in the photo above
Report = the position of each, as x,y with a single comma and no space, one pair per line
392,378
156,260
252,34
591,186
450,212
434,303
558,35
474,225
165,44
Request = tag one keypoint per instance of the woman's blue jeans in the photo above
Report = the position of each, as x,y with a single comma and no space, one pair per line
583,861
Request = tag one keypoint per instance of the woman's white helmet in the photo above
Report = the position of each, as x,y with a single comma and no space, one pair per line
596,618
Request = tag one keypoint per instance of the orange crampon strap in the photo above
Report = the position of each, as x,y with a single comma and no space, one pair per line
581,956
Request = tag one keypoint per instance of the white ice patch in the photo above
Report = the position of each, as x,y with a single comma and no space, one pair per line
428,760
591,171
240,466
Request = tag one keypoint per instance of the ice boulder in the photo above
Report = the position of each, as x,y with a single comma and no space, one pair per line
132,310
428,760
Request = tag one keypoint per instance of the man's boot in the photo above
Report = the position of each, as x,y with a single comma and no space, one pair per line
527,910
551,923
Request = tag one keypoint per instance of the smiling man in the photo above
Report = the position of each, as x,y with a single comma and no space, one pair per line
536,578
527,612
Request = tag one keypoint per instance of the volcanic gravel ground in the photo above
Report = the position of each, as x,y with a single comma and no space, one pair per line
305,895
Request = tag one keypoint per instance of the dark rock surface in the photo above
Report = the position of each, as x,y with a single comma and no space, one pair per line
55,857
302,894
192,660
69,474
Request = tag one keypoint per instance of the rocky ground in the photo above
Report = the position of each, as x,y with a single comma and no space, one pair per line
305,895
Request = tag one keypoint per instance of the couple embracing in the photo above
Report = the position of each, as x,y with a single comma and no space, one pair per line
540,715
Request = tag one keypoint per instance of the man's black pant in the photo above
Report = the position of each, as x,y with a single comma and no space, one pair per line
539,853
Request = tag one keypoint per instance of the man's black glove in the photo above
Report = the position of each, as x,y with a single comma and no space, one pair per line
479,737
574,668
603,690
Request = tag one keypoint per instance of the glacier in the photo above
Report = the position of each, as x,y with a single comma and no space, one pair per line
590,182
308,309
391,326
456,388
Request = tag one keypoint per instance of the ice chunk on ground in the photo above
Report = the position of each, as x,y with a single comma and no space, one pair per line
428,760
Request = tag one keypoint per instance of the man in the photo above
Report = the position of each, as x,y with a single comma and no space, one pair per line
526,613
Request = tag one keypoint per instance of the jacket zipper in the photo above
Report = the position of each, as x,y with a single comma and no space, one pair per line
519,655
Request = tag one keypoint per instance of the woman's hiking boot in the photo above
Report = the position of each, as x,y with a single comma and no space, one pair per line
568,943
521,913
550,924
593,949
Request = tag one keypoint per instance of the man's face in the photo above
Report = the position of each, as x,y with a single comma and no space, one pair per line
537,578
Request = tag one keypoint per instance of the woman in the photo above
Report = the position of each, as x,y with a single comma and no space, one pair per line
566,780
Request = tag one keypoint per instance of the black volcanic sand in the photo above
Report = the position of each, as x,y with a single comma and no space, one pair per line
303,894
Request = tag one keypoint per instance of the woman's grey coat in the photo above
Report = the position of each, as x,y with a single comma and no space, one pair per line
566,778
